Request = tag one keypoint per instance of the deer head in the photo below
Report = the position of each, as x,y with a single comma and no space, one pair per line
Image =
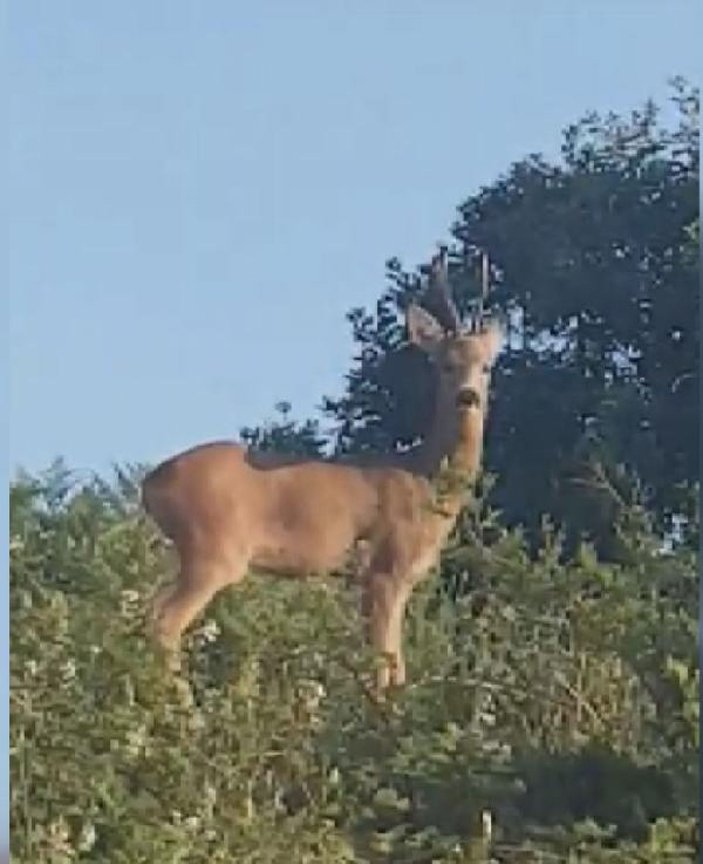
462,356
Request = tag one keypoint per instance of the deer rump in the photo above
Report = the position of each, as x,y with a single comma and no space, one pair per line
283,515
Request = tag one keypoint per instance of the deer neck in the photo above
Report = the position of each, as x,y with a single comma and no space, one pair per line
451,452
464,456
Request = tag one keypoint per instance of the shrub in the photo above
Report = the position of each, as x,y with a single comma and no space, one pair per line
555,699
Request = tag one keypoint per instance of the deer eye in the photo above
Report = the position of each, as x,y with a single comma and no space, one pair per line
486,369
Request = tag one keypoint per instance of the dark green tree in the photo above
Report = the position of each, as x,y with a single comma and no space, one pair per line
283,434
595,269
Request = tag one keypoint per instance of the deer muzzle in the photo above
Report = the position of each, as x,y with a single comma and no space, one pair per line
468,397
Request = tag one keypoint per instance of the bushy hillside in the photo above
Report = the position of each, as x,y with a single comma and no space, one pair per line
556,701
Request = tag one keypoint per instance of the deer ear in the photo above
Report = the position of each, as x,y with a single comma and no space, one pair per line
423,329
493,338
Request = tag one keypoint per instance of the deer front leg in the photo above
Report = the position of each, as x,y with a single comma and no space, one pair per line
383,606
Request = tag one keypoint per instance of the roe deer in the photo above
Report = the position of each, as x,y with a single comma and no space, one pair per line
228,509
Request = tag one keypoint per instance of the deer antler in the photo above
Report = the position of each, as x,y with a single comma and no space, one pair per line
437,297
478,322
477,315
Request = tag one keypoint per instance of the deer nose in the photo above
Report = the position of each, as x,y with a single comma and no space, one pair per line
468,397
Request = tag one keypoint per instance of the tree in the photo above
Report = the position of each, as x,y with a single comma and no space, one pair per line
595,268
285,435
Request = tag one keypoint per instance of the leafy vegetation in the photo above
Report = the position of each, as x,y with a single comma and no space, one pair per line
560,698
596,268
552,712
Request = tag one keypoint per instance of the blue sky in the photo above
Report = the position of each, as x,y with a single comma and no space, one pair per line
200,191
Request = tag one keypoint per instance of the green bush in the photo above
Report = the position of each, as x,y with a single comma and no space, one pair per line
557,700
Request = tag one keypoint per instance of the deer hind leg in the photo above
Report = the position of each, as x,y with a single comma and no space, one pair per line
383,606
176,606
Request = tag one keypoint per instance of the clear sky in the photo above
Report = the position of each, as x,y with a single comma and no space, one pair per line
199,191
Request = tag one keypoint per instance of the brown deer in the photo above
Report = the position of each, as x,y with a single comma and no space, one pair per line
228,509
